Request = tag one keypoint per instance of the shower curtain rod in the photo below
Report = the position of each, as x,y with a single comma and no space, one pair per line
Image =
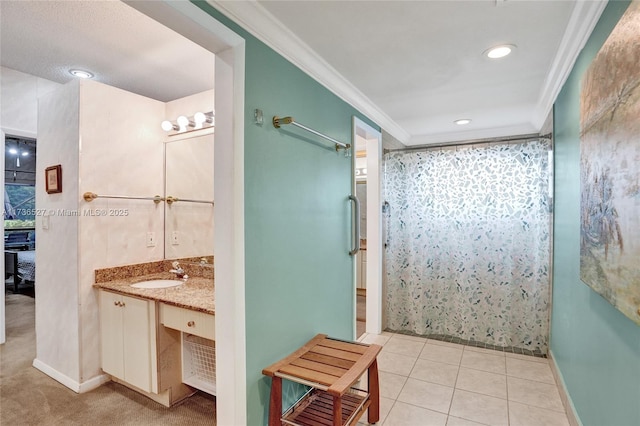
471,142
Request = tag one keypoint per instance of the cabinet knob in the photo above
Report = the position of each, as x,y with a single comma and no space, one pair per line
116,303
191,323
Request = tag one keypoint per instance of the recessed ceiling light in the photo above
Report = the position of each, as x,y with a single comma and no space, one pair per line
81,73
462,121
499,51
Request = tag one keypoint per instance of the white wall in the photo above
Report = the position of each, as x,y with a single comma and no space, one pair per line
121,153
58,345
19,94
18,117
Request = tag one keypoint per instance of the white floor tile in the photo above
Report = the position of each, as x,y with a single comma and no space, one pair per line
390,384
449,344
456,421
404,346
530,370
483,382
484,362
439,353
427,395
409,337
484,351
435,372
537,394
409,415
479,408
525,415
385,407
395,363
376,339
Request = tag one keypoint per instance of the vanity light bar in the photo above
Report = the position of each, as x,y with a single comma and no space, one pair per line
182,124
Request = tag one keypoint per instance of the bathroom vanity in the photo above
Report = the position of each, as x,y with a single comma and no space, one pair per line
158,341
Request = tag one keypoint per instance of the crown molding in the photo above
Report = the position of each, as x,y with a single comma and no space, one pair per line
255,19
472,135
584,17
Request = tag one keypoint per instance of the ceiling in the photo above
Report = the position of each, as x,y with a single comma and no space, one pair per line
416,66
413,67
121,46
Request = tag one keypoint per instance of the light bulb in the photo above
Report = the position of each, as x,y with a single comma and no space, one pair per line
199,118
168,126
183,121
25,153
13,151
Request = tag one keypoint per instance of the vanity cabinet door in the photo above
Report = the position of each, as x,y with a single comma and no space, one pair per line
112,344
137,343
127,337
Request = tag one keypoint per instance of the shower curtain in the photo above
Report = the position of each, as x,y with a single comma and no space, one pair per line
468,243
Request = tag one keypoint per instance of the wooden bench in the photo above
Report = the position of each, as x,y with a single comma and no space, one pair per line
330,367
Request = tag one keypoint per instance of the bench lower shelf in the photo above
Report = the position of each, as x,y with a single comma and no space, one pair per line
316,408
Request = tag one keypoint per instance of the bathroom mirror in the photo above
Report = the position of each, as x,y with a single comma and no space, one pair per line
189,226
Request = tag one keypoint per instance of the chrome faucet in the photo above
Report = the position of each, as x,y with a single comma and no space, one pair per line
177,269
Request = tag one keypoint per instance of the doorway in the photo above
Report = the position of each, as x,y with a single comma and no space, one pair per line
367,161
189,20
19,214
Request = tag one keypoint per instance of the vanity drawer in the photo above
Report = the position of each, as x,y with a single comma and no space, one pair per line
192,322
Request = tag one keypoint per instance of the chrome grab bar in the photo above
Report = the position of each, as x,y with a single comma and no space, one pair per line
356,224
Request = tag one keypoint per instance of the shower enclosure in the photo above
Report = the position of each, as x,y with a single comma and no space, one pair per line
468,242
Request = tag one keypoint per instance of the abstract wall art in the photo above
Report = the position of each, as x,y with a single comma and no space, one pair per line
610,168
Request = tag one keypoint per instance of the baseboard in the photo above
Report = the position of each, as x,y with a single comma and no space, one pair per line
569,408
67,381
94,383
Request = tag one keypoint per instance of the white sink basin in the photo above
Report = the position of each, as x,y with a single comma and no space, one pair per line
157,284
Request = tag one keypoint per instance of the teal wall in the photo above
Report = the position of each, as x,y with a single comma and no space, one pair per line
596,348
297,220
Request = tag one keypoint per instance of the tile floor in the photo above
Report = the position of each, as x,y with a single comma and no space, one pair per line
427,382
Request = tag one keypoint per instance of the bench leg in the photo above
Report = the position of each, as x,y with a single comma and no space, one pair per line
374,393
337,411
275,405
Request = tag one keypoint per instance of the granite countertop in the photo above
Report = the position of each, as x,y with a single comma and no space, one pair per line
196,293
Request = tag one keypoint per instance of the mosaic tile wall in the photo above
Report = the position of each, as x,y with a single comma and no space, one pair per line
468,243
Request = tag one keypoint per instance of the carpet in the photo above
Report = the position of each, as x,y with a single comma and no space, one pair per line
29,397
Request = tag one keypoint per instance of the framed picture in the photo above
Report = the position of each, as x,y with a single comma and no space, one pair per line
53,179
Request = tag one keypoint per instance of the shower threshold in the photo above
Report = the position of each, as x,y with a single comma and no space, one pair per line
474,343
